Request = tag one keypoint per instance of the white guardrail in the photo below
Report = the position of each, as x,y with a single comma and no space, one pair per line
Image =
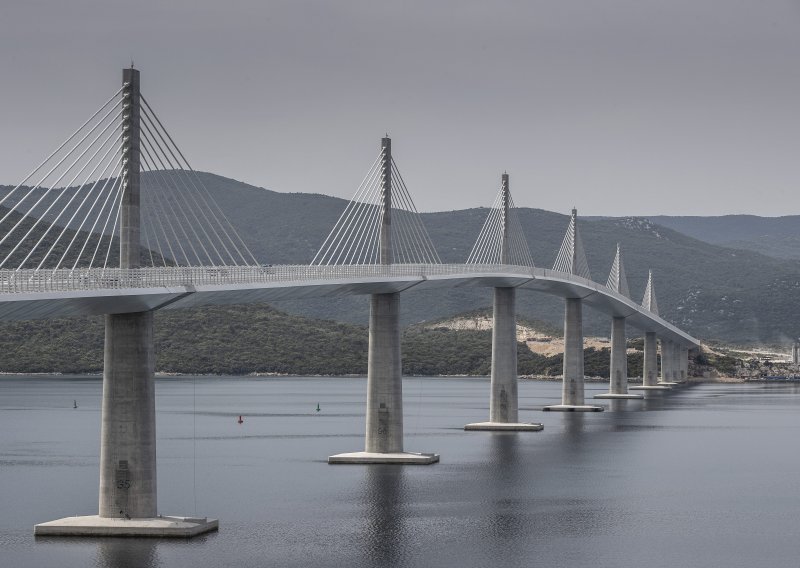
85,279
88,279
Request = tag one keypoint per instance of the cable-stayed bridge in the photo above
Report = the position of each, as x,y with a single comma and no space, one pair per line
116,222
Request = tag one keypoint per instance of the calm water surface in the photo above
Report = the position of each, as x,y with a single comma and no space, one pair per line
706,476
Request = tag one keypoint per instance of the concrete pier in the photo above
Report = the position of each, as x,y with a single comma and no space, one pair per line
667,363
127,503
128,431
384,436
684,363
618,387
650,365
572,397
503,401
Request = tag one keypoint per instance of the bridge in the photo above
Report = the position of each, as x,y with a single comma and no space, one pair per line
115,222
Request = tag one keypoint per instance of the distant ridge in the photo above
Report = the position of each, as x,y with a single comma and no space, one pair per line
778,237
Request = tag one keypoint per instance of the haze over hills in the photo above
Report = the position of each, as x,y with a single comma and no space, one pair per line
714,292
778,237
774,236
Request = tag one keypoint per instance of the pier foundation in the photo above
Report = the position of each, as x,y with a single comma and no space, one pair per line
618,387
572,397
503,400
384,435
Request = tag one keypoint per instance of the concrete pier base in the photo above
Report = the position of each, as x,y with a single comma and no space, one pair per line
408,458
572,388
668,383
95,525
618,384
573,408
650,387
504,427
503,405
384,437
619,396
650,363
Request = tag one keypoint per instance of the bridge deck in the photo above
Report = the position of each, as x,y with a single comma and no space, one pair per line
45,294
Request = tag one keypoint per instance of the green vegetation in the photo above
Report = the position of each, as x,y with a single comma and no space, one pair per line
261,339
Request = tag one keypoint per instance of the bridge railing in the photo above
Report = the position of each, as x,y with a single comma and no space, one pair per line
68,280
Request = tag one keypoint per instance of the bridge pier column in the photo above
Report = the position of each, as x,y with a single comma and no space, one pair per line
127,499
684,364
384,436
618,387
676,362
668,361
128,431
503,400
650,365
572,392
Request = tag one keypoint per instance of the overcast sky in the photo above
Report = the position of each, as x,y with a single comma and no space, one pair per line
619,107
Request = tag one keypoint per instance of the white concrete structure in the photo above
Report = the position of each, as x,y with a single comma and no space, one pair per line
619,364
572,259
503,399
129,294
618,369
384,436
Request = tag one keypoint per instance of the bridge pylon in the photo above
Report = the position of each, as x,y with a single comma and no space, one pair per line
510,247
650,379
384,432
128,475
618,370
571,259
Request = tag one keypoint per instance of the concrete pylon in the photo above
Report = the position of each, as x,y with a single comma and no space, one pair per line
650,365
668,361
571,258
127,500
618,370
684,363
618,388
572,398
503,400
384,433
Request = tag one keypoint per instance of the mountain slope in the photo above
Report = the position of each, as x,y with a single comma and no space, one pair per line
712,291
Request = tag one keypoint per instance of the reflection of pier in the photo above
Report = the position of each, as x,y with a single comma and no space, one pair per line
384,534
127,553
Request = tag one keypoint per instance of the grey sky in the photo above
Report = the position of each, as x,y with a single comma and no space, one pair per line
616,106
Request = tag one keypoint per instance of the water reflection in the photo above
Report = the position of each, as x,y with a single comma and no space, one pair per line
574,424
653,400
504,518
384,537
127,553
617,405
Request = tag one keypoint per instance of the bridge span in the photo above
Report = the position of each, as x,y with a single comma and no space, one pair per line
49,294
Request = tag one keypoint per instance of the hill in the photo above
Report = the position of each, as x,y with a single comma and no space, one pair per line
713,292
